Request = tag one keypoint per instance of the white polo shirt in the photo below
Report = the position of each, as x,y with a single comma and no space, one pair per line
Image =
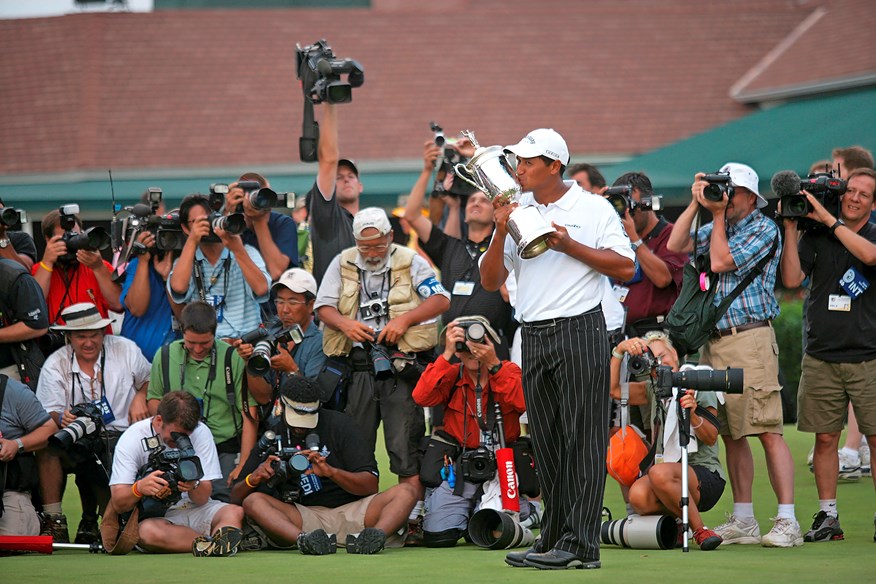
555,285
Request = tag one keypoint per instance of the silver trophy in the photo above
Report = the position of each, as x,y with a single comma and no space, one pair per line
490,172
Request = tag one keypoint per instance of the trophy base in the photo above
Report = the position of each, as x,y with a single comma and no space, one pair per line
530,231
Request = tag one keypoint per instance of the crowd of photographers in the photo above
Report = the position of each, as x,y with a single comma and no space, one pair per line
258,356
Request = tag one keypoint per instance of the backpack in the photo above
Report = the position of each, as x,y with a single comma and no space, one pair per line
691,320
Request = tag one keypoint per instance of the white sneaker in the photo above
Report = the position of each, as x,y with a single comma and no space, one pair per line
849,467
785,533
738,530
864,451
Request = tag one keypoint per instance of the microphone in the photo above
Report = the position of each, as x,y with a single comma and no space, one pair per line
785,183
141,210
324,68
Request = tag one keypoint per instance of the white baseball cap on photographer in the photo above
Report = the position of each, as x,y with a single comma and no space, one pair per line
296,280
371,217
541,142
742,175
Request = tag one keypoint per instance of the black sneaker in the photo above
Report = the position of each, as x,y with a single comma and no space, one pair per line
88,531
317,543
369,541
223,544
824,528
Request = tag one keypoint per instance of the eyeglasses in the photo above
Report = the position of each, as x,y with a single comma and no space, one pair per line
375,248
280,303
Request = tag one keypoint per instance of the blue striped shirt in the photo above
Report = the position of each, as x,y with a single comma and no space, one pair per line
226,286
750,240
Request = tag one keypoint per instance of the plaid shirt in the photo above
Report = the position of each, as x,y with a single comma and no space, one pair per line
750,240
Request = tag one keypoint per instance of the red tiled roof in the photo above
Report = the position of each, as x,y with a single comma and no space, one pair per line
183,89
834,45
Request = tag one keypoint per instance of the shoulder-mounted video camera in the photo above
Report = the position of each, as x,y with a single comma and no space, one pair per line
827,189
265,340
145,217
449,158
178,465
320,74
621,198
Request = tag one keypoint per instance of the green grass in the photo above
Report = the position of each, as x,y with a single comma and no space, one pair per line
852,560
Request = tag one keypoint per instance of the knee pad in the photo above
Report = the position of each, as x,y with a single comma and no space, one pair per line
441,539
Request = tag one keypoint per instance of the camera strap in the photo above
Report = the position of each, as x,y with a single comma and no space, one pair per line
75,377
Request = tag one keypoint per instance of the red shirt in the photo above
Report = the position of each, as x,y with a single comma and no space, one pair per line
83,287
440,384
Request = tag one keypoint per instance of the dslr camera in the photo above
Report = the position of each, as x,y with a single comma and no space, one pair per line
92,239
320,74
13,218
621,198
82,431
265,340
474,331
263,198
719,185
827,189
380,358
180,464
478,465
292,465
642,365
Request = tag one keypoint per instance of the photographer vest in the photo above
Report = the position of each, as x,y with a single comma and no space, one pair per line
402,298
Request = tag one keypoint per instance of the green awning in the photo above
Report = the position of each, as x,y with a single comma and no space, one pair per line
790,136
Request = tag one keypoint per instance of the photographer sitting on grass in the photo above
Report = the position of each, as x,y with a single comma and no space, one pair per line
313,479
186,524
659,491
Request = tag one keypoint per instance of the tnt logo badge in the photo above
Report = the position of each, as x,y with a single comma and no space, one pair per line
853,283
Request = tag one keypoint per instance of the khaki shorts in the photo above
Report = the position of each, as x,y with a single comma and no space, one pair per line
342,521
199,518
826,390
19,516
758,410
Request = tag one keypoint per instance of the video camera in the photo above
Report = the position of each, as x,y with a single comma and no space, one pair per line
445,163
719,185
92,239
265,340
320,74
827,189
180,464
12,218
263,198
621,198
82,431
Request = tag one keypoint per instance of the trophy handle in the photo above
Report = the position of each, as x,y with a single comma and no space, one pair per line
462,172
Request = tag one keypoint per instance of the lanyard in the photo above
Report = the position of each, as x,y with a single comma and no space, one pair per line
100,375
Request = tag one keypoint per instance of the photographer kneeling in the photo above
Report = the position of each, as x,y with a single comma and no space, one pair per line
659,491
165,465
468,391
312,479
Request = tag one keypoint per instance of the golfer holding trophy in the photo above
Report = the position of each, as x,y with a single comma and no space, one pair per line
560,264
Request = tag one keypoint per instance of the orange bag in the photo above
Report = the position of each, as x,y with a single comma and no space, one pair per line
627,449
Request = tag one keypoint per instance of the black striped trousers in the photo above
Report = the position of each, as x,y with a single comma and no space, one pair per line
565,383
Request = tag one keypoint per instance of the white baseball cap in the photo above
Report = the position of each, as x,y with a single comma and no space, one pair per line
542,142
742,175
296,280
371,217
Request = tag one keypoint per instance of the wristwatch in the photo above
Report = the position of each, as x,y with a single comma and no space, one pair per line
197,484
495,368
835,226
20,443
4,243
636,245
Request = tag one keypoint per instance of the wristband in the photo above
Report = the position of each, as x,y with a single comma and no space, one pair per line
249,484
698,425
836,225
46,268
617,355
135,491
636,245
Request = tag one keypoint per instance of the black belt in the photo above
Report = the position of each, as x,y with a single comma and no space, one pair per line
742,328
551,322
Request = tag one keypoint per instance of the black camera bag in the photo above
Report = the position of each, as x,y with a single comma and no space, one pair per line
332,381
439,445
